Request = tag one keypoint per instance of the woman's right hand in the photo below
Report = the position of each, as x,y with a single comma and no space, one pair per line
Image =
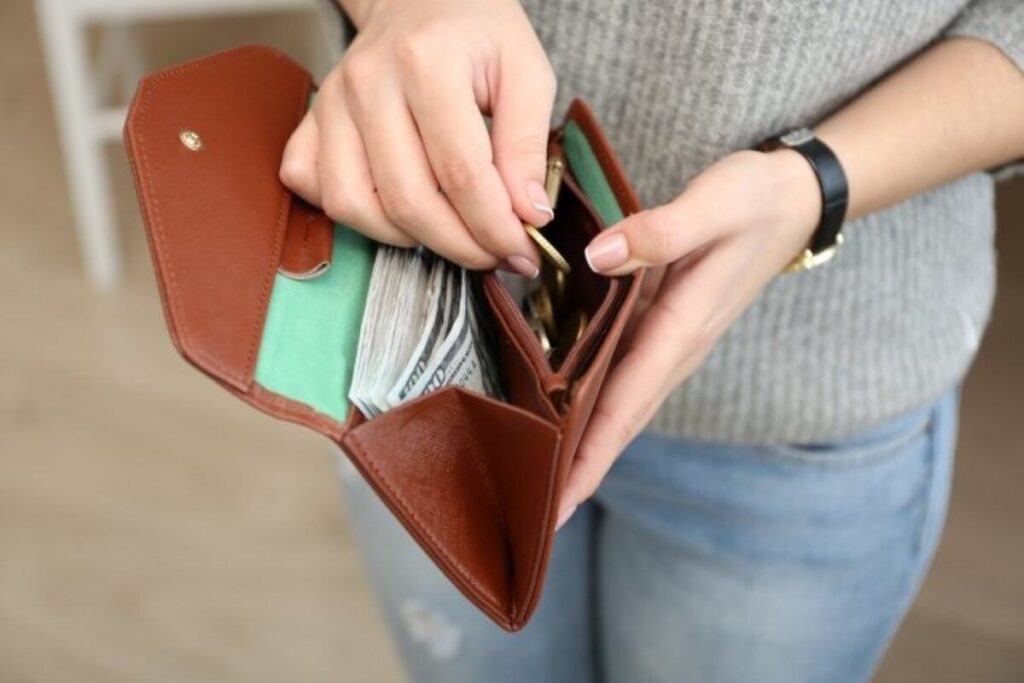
396,145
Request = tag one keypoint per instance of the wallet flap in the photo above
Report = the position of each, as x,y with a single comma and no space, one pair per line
470,478
205,141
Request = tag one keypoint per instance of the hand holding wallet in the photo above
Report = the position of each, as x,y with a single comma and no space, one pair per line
263,293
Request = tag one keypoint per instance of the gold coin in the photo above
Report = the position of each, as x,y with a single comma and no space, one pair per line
580,321
541,334
548,249
572,330
554,280
553,179
542,308
540,316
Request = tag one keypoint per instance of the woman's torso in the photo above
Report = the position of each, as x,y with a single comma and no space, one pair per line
891,322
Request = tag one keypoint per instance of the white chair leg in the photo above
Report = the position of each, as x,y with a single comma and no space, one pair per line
328,47
74,100
118,64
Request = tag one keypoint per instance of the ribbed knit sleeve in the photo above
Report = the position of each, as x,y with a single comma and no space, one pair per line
1000,23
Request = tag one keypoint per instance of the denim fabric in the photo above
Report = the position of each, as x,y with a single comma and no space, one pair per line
698,561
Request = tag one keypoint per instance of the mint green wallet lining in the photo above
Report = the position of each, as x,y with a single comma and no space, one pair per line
312,327
586,169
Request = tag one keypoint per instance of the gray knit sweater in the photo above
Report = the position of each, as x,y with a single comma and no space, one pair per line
895,319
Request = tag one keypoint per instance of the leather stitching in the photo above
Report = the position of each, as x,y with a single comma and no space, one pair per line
289,409
157,226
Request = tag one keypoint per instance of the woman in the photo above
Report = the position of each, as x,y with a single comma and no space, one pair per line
776,519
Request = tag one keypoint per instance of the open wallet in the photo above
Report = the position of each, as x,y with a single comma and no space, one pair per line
263,293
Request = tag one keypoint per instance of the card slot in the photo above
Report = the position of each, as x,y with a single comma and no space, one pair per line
472,479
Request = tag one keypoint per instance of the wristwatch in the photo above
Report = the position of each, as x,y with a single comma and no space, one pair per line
834,196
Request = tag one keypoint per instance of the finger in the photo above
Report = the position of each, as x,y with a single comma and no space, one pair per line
650,284
459,151
654,237
700,295
523,99
612,425
667,346
649,287
346,186
406,187
298,169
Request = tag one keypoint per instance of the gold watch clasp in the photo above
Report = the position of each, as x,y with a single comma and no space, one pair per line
807,259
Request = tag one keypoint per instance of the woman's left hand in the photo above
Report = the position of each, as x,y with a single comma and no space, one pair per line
711,251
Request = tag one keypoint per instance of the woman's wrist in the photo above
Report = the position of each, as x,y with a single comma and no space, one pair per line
797,195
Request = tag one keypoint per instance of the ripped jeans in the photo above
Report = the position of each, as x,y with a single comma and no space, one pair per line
698,561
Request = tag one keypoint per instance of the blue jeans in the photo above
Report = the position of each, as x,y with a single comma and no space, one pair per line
700,562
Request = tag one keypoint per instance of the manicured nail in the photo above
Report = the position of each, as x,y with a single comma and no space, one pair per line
564,516
607,252
524,266
539,198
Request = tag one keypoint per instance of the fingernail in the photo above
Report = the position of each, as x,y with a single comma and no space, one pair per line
564,516
539,198
607,252
523,266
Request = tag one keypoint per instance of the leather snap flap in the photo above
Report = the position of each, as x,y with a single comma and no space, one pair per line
308,242
205,141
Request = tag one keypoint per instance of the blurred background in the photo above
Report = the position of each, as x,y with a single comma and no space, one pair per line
154,528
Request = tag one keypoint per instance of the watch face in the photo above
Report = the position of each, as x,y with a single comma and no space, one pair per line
797,137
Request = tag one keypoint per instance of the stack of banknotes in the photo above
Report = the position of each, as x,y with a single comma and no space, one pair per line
421,331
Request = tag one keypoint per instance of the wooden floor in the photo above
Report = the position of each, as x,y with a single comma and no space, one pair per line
152,528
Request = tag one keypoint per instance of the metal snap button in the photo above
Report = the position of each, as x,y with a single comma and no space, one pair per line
191,139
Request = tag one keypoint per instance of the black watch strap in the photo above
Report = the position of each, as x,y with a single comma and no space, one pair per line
835,191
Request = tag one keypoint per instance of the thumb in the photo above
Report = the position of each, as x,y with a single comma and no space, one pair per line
654,237
519,135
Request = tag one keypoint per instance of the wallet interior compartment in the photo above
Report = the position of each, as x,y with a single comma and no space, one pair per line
308,347
473,480
575,224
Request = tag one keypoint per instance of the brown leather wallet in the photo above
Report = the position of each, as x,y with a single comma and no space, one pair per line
476,481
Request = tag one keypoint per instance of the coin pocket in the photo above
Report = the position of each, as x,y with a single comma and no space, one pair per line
575,224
